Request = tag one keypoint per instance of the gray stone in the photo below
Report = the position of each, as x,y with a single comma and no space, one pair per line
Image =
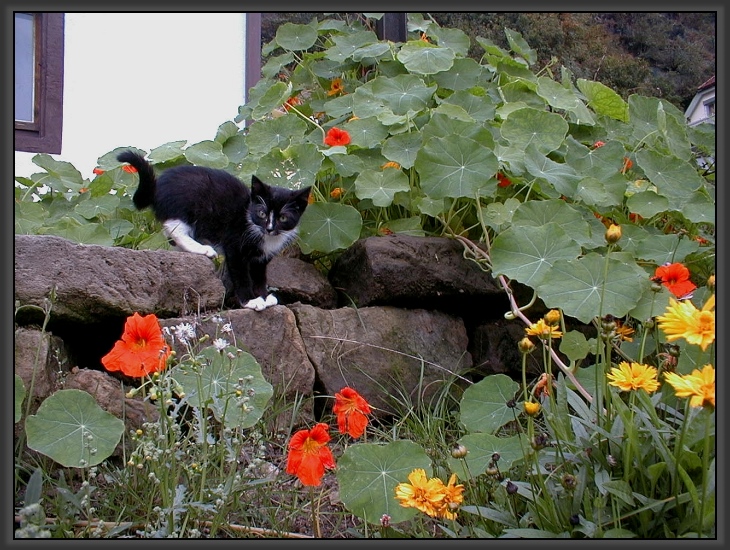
387,354
298,281
415,272
92,282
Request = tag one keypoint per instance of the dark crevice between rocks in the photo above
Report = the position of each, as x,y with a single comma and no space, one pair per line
87,344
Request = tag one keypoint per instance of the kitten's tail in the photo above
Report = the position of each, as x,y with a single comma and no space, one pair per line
145,192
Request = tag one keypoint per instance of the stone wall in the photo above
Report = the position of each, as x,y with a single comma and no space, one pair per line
396,314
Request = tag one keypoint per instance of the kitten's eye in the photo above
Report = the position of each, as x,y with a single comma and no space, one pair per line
282,218
261,214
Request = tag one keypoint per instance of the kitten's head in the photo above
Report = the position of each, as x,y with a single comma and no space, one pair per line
275,212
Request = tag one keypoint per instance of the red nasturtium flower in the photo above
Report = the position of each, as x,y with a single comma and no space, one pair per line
309,454
129,169
98,171
351,410
504,181
141,351
676,278
335,136
628,163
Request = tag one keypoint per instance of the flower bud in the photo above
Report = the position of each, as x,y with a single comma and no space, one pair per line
711,282
613,234
552,317
531,408
459,451
511,488
525,345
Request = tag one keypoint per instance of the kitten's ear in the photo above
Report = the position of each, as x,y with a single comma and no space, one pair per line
258,187
301,197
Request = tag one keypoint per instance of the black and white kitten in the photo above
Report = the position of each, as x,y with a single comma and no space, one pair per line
208,211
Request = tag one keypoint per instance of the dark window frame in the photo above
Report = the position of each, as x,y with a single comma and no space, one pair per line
44,134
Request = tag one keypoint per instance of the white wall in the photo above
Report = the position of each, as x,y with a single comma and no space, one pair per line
144,79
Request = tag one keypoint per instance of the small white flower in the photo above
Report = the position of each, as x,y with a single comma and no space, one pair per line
227,328
220,343
184,332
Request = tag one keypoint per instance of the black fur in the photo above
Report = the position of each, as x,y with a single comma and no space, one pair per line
226,215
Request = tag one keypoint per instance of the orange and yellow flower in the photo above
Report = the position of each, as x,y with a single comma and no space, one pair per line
683,320
351,410
698,386
309,454
335,136
634,376
430,496
141,351
543,330
391,164
676,278
337,192
336,87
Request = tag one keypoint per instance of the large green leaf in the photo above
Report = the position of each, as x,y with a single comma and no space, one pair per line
97,206
581,289
454,167
421,57
381,187
366,132
60,176
674,178
294,37
72,429
368,474
277,133
401,93
402,148
527,253
215,381
294,167
465,73
532,126
327,227
207,153
603,100
484,405
647,204
167,152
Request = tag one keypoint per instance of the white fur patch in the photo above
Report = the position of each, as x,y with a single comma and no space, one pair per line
273,244
180,232
260,304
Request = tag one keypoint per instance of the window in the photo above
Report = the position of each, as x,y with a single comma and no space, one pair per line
710,108
38,82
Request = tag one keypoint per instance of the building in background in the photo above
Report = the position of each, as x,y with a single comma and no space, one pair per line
702,107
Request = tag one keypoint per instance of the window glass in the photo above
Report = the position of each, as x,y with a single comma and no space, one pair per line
24,67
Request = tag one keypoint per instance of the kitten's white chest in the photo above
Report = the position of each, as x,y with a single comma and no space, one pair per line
273,244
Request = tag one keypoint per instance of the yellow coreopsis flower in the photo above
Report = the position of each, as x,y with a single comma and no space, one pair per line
698,386
531,408
424,494
453,497
683,320
543,330
634,376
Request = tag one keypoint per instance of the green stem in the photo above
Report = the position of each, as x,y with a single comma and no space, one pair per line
705,473
315,515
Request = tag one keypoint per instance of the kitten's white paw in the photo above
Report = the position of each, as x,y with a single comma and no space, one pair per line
258,304
208,251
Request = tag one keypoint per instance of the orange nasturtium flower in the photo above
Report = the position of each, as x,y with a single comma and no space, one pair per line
129,169
336,87
683,320
141,351
676,278
351,410
628,163
309,454
335,136
98,171
634,376
698,386
391,164
336,193
543,330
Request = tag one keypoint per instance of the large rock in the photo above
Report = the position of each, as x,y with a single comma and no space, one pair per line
92,282
385,353
41,359
416,272
298,281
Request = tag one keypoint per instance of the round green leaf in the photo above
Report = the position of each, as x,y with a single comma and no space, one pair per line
574,345
72,429
454,167
327,227
481,448
382,186
603,100
402,148
97,206
366,132
207,153
402,93
213,384
532,126
294,37
368,474
582,290
421,57
483,407
526,254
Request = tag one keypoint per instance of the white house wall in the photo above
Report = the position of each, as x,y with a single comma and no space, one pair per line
144,79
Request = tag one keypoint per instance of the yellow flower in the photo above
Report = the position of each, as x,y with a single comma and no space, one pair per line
698,386
542,330
683,320
634,376
531,408
453,497
552,317
424,494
